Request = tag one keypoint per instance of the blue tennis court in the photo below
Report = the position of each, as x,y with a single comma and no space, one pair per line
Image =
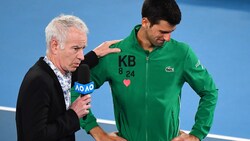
217,30
9,131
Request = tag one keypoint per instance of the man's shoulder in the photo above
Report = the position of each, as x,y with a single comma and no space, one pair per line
176,46
40,71
180,44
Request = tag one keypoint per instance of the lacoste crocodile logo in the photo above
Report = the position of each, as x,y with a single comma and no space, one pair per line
169,69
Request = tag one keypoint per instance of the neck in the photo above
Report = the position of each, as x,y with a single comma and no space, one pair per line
55,63
142,39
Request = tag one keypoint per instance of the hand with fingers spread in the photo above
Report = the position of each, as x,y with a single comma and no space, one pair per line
103,49
81,105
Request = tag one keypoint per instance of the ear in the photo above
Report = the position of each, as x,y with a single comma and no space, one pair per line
54,46
145,22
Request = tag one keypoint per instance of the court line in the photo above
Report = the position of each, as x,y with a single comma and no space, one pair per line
10,109
111,122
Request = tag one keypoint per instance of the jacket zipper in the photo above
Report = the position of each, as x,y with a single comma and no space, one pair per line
146,95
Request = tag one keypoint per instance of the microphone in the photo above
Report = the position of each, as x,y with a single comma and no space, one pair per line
84,86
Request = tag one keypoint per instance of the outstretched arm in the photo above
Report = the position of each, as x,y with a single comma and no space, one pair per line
92,57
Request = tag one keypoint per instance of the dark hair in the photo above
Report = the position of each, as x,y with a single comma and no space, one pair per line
156,10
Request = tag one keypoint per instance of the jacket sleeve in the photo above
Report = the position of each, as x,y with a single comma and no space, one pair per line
88,122
202,83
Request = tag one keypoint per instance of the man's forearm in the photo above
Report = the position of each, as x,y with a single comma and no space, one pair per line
98,133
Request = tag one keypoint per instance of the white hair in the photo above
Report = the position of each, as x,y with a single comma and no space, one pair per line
59,26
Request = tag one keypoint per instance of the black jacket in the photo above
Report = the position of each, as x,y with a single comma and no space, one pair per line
40,112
